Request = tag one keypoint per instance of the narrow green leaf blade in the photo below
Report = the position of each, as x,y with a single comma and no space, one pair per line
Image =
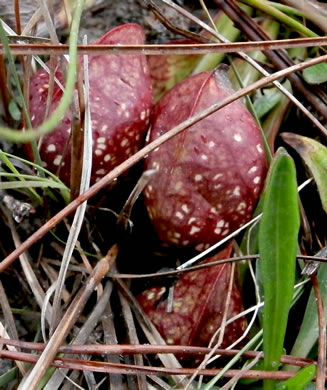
278,234
309,331
299,381
314,155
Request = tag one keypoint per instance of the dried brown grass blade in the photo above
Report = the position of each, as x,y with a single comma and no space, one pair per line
68,320
110,338
132,335
83,334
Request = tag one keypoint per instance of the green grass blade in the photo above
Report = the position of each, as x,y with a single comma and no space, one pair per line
64,190
278,235
55,118
34,195
9,185
299,381
20,101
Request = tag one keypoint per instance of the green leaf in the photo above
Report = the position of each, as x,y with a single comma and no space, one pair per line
266,102
316,74
309,331
314,155
14,110
278,234
299,381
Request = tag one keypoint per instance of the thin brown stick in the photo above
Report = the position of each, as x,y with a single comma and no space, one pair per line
17,17
123,349
321,365
106,367
107,179
162,49
4,92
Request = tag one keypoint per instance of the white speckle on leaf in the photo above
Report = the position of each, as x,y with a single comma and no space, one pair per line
236,191
177,235
191,220
162,290
143,115
155,165
194,229
185,208
100,172
185,242
226,231
217,231
150,295
57,160
256,180
220,223
199,247
259,148
179,215
101,140
124,142
98,152
211,144
253,169
218,176
102,146
51,148
241,206
198,177
107,157
204,157
104,128
237,137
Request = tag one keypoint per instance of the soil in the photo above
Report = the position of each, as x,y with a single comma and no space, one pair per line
106,14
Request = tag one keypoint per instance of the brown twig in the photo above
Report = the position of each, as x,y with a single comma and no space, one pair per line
164,49
321,364
17,17
107,179
106,367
